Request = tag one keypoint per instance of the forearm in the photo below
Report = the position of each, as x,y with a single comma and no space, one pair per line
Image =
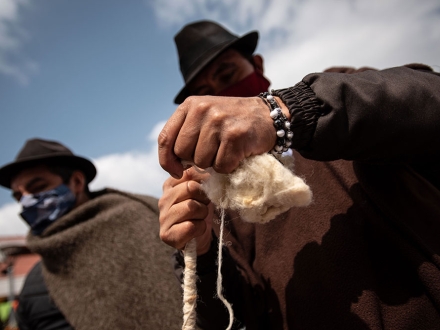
392,114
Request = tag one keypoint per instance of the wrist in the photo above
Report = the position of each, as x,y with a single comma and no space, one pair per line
280,116
283,107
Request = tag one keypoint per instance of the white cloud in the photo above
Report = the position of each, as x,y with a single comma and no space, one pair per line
300,37
132,171
155,131
234,14
378,34
12,62
10,222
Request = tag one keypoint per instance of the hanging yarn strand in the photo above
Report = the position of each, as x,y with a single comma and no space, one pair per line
261,188
219,271
189,286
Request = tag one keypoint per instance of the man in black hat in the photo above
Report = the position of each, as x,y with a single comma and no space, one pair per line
365,254
103,265
214,61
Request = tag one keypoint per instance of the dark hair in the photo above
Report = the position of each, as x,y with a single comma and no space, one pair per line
65,173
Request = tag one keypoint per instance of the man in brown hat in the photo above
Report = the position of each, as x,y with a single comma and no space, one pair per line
365,253
103,264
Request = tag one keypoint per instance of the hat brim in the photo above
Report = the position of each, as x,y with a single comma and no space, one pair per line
246,43
9,171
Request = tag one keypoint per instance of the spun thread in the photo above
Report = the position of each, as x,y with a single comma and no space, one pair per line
219,271
189,286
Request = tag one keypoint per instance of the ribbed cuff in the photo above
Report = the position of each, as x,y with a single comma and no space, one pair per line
304,108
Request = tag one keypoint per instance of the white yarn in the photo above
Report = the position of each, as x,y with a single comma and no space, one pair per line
259,189
219,271
189,286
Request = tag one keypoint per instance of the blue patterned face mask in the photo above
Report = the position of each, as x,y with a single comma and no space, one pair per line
42,209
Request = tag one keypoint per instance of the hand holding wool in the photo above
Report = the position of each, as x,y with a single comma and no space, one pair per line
216,131
186,212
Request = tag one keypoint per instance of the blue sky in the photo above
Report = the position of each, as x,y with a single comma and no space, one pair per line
100,76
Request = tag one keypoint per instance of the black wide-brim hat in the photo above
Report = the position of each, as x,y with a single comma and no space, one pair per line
201,42
37,151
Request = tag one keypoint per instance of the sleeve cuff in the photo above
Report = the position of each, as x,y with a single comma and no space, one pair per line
305,109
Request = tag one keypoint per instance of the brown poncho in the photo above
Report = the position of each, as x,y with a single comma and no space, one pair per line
106,268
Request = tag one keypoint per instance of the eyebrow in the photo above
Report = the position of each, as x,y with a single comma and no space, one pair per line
17,194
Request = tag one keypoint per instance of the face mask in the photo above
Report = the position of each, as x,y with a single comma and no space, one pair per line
252,85
41,210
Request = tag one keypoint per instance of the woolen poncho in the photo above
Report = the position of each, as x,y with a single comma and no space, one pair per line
106,268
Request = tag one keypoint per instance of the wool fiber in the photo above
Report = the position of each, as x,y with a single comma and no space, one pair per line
259,189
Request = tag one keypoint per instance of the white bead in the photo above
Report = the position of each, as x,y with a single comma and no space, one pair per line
287,124
270,97
290,135
274,114
281,133
288,143
278,148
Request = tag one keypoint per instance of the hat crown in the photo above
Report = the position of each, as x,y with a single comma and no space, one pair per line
38,147
196,39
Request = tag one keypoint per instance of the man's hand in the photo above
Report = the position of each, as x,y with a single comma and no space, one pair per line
186,212
218,132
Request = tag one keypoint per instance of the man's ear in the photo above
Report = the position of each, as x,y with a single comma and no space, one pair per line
258,63
77,182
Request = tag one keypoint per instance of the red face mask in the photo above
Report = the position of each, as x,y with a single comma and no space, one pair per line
251,85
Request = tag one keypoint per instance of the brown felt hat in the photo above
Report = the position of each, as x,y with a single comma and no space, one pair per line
200,42
38,151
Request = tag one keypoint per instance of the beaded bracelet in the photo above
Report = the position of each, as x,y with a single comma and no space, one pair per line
282,125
